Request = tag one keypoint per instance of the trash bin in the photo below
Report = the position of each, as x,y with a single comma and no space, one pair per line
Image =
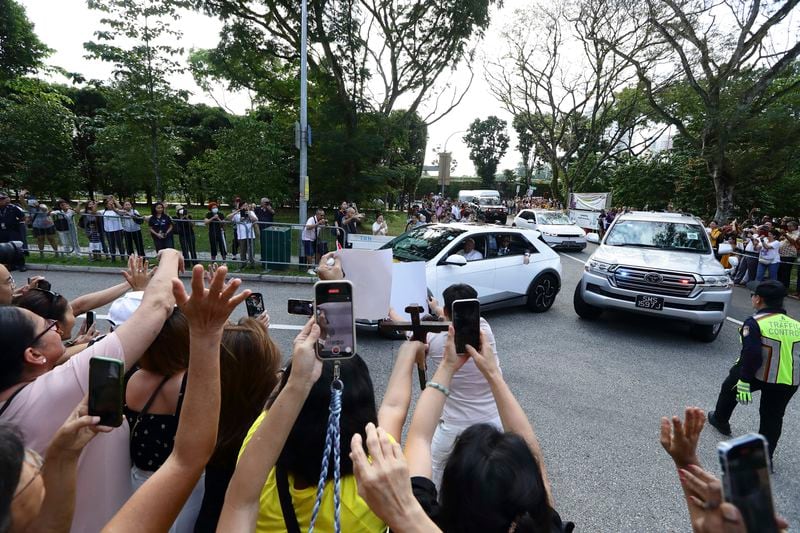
276,247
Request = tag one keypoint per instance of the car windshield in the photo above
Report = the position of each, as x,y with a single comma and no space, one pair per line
553,218
422,244
488,200
662,235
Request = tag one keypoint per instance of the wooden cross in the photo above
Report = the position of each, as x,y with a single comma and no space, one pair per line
419,329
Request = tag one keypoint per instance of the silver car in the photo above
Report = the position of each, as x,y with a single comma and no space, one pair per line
661,265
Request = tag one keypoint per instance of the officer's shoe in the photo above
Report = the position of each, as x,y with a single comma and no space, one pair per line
725,428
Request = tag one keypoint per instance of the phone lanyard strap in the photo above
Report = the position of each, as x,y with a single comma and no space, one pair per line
332,446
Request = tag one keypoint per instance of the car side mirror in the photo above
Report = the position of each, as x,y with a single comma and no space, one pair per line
593,238
725,249
456,260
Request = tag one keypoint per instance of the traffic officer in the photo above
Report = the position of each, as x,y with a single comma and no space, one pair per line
12,219
769,362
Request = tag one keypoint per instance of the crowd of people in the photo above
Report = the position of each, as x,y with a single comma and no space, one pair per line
221,434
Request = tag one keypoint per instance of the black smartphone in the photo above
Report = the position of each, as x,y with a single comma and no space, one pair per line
255,304
106,390
300,307
89,319
467,323
333,309
42,284
745,478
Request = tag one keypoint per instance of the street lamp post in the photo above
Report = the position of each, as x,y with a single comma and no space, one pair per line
303,112
445,159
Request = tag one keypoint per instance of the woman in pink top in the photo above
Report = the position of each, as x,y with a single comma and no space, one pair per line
38,397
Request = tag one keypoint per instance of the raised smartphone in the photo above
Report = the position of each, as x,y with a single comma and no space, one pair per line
300,307
89,319
254,304
333,309
467,324
745,478
106,390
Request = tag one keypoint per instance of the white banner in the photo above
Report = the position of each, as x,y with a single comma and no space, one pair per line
584,219
589,201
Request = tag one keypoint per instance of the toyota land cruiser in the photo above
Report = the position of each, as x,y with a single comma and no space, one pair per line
658,264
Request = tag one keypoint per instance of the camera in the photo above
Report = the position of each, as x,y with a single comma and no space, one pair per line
11,253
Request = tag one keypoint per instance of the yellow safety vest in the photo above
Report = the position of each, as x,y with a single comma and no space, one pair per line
780,349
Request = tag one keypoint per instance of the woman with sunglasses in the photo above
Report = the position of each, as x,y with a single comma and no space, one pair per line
38,396
38,494
50,304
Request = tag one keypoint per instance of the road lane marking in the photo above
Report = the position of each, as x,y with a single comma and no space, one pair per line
737,322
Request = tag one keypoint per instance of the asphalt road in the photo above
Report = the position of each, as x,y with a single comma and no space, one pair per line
595,392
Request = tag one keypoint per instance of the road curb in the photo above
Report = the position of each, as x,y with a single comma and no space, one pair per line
245,276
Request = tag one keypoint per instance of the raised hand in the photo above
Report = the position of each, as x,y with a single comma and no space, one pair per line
306,368
138,273
452,361
328,272
485,360
680,439
208,309
77,431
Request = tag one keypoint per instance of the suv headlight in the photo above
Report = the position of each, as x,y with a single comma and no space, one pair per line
549,234
599,267
717,282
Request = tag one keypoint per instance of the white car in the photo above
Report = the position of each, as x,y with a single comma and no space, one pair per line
508,266
557,230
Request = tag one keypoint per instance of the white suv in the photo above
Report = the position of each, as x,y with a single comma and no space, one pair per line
659,264
508,266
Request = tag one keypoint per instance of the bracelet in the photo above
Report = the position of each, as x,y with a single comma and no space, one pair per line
441,388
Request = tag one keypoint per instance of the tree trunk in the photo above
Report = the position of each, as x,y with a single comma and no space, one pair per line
154,155
555,189
723,187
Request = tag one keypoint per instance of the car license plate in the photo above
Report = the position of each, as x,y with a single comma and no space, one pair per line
654,303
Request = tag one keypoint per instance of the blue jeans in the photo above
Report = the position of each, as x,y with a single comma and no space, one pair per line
762,269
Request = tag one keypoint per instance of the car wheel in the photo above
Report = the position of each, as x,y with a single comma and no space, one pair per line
706,332
542,293
583,309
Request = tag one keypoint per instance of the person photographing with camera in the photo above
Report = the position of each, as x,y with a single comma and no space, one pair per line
310,236
768,254
243,218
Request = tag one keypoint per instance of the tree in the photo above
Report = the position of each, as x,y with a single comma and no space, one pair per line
729,54
526,146
21,51
36,152
487,141
142,69
561,82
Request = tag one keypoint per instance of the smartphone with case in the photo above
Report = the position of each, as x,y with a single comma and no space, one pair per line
300,307
467,324
746,481
254,304
333,310
89,319
106,390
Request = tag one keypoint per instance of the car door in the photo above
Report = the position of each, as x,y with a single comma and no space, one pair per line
479,273
512,273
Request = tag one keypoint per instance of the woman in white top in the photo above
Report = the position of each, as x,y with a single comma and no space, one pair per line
244,217
379,226
768,256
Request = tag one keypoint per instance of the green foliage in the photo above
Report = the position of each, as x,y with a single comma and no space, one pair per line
21,51
487,141
36,151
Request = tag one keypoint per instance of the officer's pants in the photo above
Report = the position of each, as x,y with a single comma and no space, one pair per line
774,399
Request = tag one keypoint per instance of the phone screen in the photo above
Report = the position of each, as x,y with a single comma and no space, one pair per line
746,477
106,390
300,307
255,304
333,308
89,319
467,324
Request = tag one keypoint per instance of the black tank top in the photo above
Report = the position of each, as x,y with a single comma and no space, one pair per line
153,436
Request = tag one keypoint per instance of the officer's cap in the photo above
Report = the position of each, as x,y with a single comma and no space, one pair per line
769,289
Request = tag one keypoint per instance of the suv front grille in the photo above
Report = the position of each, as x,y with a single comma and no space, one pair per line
654,282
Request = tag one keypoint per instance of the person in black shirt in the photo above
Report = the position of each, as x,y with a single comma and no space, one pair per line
12,219
184,227
161,228
339,217
216,233
265,213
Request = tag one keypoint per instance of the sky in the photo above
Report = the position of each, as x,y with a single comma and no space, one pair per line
64,25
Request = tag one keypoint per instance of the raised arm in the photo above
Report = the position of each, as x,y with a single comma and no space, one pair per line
136,278
394,407
512,416
242,501
155,506
139,331
428,411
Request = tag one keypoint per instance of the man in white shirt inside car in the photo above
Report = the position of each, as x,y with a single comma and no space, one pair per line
469,252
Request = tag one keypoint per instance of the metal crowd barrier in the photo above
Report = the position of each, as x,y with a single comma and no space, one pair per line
268,245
